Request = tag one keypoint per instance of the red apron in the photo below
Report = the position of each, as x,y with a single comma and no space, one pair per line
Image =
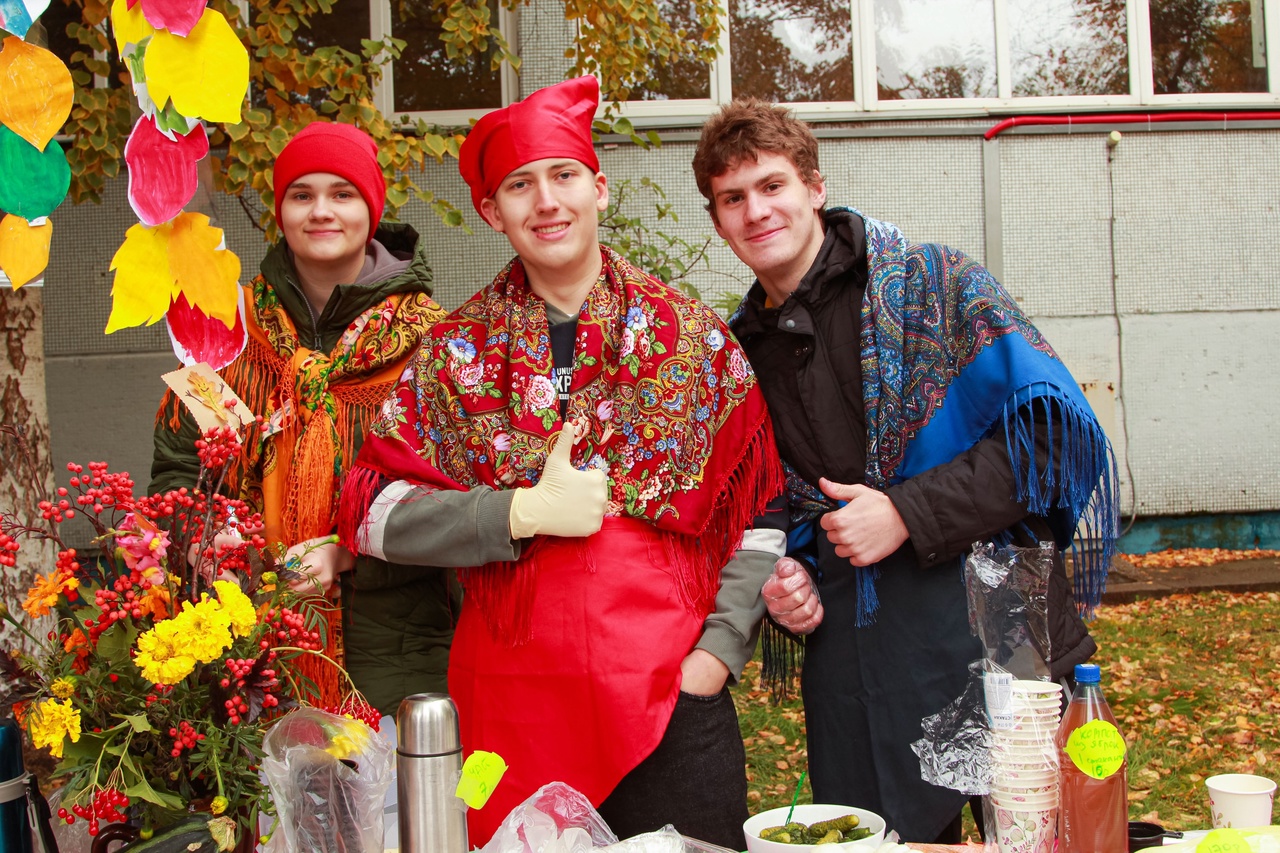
589,696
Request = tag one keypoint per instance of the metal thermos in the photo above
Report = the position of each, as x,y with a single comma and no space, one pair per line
428,765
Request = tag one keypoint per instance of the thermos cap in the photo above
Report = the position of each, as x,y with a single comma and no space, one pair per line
427,724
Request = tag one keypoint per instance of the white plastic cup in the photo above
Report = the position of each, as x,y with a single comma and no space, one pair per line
1025,830
1240,800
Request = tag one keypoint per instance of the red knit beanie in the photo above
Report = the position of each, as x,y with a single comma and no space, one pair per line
552,122
338,149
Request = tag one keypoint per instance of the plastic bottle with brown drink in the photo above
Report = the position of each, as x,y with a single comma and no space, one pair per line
1093,814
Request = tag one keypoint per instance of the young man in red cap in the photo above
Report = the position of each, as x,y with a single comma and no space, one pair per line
599,448
339,307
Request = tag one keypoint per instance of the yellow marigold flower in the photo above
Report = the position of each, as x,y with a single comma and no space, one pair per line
350,738
237,606
52,723
63,688
46,590
219,805
206,629
162,655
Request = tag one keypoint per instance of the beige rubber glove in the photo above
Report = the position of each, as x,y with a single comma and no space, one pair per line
565,502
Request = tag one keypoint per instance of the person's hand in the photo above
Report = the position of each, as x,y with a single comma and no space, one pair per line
702,673
565,501
319,561
223,540
792,597
867,529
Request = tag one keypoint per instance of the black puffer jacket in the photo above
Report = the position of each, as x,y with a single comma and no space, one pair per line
866,689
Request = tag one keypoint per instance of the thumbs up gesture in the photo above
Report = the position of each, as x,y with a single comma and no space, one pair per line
867,529
565,502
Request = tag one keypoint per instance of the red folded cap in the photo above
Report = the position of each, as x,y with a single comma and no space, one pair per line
338,149
552,122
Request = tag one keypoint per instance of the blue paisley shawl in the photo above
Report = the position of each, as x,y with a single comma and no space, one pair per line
948,358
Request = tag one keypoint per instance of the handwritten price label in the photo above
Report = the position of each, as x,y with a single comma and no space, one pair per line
1223,841
1097,749
481,773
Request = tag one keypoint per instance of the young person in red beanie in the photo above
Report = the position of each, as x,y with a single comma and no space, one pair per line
612,451
340,305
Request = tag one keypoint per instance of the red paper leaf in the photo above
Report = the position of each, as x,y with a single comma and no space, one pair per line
162,171
176,16
196,337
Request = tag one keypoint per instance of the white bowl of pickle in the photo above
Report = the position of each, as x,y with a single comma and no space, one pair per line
812,825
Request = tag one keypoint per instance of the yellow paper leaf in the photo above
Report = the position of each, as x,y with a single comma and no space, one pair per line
143,286
35,91
206,74
24,248
481,773
206,275
129,25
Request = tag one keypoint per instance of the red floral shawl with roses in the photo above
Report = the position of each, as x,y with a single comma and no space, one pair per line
674,417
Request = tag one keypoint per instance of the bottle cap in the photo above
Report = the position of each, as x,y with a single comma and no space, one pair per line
1088,673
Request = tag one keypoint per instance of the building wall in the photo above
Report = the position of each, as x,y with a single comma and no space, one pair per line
1148,266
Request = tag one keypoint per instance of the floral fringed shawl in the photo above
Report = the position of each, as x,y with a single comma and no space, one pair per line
670,406
948,358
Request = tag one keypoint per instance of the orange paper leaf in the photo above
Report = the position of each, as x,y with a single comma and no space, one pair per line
206,275
35,91
24,248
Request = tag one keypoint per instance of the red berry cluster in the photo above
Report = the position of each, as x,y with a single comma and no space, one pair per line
158,694
8,550
108,804
217,446
184,737
265,680
357,707
290,628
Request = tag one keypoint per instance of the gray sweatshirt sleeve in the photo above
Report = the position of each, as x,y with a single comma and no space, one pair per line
419,526
731,630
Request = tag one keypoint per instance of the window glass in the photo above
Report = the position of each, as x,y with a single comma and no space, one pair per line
426,79
927,49
1208,46
791,50
1068,47
686,77
344,26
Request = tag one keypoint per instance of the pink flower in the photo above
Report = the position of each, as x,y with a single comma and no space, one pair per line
501,441
738,366
604,410
541,393
471,374
143,546
628,342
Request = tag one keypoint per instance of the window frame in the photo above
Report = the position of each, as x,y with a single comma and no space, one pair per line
866,104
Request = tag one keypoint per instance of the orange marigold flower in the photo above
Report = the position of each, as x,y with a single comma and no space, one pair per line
79,644
155,602
46,590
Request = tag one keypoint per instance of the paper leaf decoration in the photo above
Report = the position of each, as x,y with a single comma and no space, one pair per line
35,91
143,286
207,397
17,16
176,16
206,274
32,182
128,24
162,171
206,74
24,249
196,337
154,265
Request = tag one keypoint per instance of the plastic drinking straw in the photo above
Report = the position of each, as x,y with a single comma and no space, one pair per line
795,795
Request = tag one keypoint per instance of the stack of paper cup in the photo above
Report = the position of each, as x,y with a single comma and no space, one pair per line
1024,768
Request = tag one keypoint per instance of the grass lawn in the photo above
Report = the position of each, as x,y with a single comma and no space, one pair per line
1194,681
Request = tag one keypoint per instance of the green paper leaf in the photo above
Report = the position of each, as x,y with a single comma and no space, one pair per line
32,182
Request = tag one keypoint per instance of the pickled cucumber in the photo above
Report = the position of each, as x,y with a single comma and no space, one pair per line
834,831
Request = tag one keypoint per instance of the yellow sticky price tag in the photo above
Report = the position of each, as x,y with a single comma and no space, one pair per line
481,773
1223,841
1097,749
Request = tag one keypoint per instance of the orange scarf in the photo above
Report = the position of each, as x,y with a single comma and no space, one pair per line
317,407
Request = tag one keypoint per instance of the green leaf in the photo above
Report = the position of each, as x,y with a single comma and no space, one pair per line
142,790
115,642
453,218
138,722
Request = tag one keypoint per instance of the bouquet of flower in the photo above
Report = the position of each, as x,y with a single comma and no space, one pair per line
170,657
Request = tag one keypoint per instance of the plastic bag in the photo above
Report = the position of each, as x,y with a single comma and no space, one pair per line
556,814
329,777
1008,592
956,747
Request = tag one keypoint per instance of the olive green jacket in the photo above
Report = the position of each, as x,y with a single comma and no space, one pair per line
397,620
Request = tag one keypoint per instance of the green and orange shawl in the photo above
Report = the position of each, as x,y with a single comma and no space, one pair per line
672,411
317,407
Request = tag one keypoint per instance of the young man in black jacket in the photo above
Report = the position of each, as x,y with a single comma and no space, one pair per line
918,411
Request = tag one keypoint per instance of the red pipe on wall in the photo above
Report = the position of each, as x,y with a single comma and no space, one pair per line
1127,118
